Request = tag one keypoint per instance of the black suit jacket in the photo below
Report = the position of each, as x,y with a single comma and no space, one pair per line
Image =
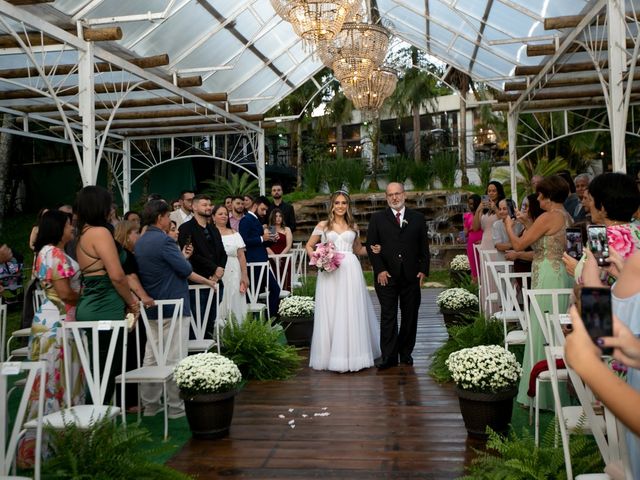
405,249
288,213
207,257
251,231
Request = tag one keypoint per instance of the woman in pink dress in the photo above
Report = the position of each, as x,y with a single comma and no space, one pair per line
473,236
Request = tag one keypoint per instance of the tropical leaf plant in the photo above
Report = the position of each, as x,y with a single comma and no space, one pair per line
484,170
421,175
445,165
398,168
527,168
236,184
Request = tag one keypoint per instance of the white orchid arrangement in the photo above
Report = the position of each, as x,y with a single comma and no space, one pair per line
206,373
486,368
457,299
460,262
296,306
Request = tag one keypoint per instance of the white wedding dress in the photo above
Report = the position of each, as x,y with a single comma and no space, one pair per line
233,302
346,331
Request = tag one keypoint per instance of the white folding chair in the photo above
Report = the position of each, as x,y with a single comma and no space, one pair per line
162,372
96,375
282,267
559,296
509,280
23,352
199,318
489,293
9,444
505,309
258,277
3,329
299,277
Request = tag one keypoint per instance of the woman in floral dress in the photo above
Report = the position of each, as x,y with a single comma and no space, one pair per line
58,277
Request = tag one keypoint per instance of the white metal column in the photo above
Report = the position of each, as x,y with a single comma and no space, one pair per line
616,29
87,112
512,130
261,166
126,175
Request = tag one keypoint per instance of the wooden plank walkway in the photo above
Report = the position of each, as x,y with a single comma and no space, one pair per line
391,424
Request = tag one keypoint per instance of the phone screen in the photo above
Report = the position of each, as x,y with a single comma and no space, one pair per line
574,242
595,306
598,243
511,207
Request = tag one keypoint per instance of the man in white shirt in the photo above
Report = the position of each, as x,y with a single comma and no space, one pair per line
185,212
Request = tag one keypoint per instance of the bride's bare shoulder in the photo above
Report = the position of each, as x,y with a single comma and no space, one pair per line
322,225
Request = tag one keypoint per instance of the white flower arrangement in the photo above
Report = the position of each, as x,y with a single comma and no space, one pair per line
206,373
296,306
486,369
460,262
457,299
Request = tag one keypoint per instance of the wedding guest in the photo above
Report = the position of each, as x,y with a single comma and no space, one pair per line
228,200
132,216
473,237
572,204
34,229
185,212
287,209
581,182
237,212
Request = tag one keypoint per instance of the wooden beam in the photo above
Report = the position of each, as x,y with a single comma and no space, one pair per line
99,88
571,21
566,81
20,3
564,68
218,99
39,38
164,129
144,62
550,48
178,123
542,105
555,95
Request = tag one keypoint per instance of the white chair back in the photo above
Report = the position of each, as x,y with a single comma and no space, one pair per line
510,284
200,311
559,305
96,375
8,444
161,348
258,277
488,293
495,268
282,266
299,265
3,329
38,298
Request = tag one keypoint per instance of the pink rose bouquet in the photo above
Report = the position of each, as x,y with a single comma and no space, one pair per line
325,257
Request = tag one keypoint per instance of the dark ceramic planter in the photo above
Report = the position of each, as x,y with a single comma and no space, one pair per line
482,410
298,330
209,415
457,317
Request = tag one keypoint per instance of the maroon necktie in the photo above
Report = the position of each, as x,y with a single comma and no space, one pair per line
398,218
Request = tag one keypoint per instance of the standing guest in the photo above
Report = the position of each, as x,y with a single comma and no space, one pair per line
228,200
572,204
282,243
176,204
164,273
499,233
547,236
236,279
209,257
173,231
105,290
287,209
237,212
59,277
399,270
34,230
535,180
248,202
185,212
345,329
581,182
113,216
473,237
66,209
255,236
134,217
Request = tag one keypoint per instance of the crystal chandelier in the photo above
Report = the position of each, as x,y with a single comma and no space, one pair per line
316,20
356,51
369,94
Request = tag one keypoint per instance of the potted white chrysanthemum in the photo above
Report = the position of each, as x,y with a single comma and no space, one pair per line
459,270
208,383
486,380
296,316
457,305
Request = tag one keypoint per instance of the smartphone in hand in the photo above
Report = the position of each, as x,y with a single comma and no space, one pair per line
598,243
511,208
595,305
574,242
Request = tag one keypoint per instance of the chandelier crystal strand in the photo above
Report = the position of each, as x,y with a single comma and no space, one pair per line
282,8
319,20
368,95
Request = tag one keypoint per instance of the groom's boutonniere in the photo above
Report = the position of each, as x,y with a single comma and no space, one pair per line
404,223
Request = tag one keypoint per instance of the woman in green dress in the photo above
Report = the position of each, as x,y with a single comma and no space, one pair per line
105,291
547,237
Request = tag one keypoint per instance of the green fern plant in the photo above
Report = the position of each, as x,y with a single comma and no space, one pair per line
480,332
517,457
235,184
104,451
484,170
445,165
398,168
421,175
259,349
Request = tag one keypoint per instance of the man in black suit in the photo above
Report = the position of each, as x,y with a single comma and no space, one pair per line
288,213
209,257
399,270
256,237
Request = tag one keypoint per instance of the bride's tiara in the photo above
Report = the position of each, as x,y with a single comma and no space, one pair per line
342,191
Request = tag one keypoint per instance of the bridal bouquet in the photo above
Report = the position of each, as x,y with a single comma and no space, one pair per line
325,257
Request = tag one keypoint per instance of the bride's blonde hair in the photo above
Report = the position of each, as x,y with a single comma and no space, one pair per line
348,216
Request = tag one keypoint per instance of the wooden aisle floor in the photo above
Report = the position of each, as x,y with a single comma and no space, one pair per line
391,424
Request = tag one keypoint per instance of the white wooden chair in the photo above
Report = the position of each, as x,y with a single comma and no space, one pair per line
9,444
282,267
162,372
533,303
199,317
517,336
299,277
3,329
96,375
488,292
258,277
505,308
23,352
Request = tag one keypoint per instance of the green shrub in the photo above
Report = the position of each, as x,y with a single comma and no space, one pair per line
105,451
445,165
484,170
480,332
421,175
259,349
235,184
313,175
398,169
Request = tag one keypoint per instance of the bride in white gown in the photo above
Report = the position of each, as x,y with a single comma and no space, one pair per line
346,331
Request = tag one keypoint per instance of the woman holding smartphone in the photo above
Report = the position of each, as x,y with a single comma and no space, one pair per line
547,236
